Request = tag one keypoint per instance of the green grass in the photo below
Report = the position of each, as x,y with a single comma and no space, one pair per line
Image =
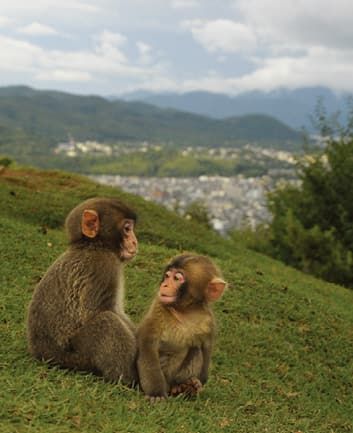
283,359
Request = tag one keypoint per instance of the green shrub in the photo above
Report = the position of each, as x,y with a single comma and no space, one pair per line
312,226
5,162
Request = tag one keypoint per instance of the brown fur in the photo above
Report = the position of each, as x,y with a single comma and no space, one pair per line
175,340
76,318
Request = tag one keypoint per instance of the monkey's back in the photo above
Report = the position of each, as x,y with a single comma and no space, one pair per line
59,304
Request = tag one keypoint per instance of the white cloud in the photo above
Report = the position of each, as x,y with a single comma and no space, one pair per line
104,62
17,55
37,29
63,75
145,53
222,35
80,6
301,23
109,45
185,4
23,8
108,38
5,21
319,67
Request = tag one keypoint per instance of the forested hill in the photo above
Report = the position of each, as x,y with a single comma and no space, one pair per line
50,116
294,107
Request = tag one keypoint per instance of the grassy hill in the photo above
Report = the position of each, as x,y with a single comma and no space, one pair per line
283,360
47,117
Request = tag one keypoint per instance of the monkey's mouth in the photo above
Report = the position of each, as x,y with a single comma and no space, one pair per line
128,255
167,299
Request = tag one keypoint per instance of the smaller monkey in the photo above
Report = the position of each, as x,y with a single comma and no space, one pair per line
176,337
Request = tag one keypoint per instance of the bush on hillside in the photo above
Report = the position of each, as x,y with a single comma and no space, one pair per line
197,211
5,161
312,226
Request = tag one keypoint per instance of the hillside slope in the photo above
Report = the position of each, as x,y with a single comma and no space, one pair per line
283,361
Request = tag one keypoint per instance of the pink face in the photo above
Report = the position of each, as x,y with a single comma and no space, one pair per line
129,244
170,286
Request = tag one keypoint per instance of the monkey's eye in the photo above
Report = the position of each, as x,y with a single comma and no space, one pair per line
179,277
168,274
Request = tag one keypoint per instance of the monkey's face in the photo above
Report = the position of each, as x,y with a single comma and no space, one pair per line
129,244
190,280
171,286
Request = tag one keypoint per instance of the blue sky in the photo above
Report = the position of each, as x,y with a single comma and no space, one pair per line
110,47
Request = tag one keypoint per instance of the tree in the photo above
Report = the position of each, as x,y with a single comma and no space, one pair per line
312,226
197,211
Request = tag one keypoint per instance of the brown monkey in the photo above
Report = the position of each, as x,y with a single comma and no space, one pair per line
175,338
76,317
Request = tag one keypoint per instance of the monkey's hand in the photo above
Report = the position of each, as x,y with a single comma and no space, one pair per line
189,389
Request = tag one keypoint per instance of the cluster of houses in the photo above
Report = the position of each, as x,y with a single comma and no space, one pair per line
231,202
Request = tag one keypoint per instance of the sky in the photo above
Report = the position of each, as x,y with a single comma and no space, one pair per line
112,47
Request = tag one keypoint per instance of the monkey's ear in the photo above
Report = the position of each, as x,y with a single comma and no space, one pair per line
215,289
90,223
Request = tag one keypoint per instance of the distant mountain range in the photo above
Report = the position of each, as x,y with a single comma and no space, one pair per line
45,118
292,107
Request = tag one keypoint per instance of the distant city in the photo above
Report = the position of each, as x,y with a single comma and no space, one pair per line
73,148
232,202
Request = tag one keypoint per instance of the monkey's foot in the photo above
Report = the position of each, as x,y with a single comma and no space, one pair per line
155,399
190,388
